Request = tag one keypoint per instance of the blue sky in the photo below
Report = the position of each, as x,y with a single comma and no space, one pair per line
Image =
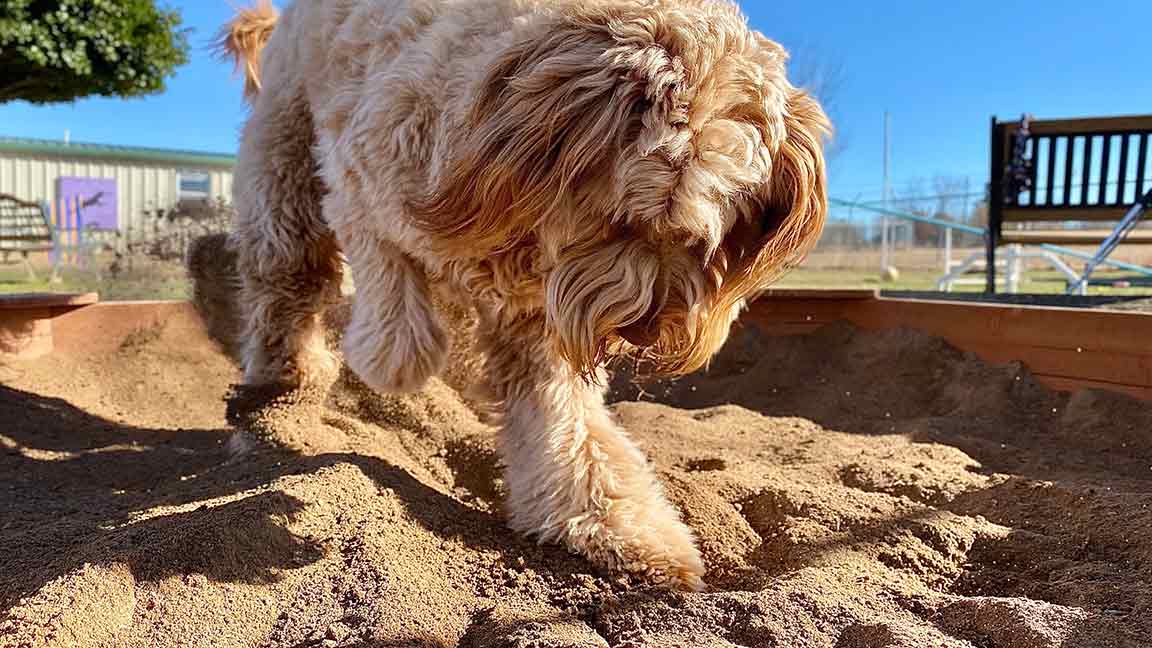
940,68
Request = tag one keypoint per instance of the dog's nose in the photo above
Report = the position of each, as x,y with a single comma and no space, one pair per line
642,333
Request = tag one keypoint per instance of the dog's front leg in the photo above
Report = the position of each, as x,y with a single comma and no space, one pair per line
572,473
395,341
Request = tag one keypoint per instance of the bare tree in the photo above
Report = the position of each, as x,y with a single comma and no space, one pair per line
949,196
915,199
911,197
824,75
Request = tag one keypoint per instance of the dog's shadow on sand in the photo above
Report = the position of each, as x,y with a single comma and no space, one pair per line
81,489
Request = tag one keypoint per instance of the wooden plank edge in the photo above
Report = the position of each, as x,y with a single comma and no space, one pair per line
820,293
19,301
1068,385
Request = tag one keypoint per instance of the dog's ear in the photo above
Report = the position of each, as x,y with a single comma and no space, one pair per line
797,202
552,114
795,205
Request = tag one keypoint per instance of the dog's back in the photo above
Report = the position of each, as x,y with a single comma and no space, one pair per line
338,37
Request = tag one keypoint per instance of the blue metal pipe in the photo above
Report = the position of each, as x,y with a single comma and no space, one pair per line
1138,269
971,229
980,231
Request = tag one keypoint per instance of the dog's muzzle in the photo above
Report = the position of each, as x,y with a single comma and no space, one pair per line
641,334
645,331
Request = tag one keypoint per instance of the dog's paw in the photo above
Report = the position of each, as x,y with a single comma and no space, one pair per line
396,359
651,544
238,446
644,539
280,417
313,367
317,369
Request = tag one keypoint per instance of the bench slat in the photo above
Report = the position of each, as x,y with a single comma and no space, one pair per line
1094,125
1073,237
1061,213
24,227
25,237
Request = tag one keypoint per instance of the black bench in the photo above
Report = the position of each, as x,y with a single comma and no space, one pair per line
24,229
1068,170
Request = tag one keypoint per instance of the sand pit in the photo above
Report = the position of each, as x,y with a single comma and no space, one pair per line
850,490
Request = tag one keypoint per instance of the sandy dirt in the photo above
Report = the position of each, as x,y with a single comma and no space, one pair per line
849,489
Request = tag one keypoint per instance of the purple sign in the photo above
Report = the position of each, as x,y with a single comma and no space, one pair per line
96,198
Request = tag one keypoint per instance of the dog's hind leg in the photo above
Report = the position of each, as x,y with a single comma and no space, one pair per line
211,264
288,259
572,473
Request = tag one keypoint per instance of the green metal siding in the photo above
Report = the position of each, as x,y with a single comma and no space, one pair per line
78,150
142,185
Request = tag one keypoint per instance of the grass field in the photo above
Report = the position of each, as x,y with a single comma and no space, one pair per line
147,279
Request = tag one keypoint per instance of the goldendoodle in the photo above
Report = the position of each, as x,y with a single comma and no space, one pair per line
598,178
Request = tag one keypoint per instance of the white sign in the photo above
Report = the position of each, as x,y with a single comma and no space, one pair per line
195,185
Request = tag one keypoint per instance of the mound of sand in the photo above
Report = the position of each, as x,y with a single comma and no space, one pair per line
850,490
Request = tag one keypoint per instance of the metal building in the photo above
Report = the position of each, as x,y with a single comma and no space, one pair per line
112,187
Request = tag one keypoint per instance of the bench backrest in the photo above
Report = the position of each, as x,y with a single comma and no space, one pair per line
1080,169
24,227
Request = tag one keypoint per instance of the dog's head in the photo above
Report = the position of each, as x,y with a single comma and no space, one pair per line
658,159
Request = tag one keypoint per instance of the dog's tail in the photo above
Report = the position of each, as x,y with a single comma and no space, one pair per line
244,38
216,286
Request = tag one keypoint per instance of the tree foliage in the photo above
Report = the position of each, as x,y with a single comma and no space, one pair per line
62,50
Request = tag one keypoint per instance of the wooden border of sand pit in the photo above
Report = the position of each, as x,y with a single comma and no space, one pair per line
35,325
1065,348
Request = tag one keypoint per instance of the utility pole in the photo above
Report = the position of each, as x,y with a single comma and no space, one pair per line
884,237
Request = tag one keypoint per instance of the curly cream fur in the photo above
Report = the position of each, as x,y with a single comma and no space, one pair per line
597,177
244,37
